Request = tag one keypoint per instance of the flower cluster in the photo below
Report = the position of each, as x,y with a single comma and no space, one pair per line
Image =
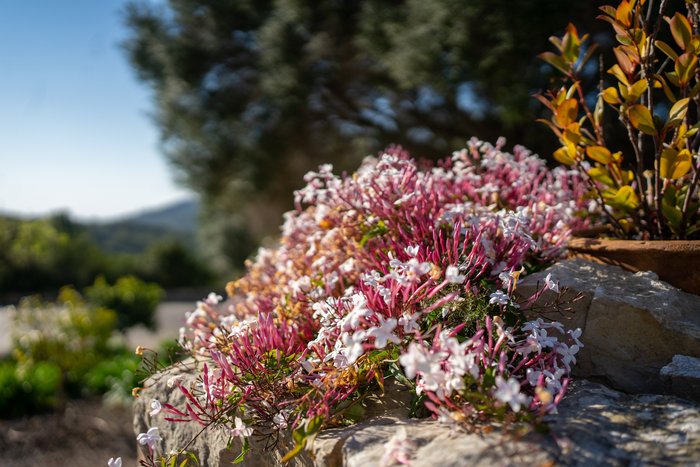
401,262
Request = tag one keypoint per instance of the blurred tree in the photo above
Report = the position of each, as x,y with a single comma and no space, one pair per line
43,254
171,265
252,94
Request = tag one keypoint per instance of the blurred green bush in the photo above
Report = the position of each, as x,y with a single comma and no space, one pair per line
41,255
133,300
28,389
64,349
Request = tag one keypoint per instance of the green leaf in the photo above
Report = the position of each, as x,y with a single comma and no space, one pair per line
375,231
673,215
313,425
244,451
641,119
193,456
292,454
299,435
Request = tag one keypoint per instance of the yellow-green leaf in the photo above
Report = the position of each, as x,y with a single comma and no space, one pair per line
566,112
636,90
678,111
674,164
665,48
572,135
625,199
562,155
641,119
680,28
608,10
555,60
599,154
685,67
617,72
661,82
611,96
601,174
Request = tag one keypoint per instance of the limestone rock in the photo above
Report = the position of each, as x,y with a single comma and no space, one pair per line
684,375
633,324
595,426
210,445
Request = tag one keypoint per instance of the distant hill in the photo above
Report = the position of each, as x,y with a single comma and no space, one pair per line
182,216
137,233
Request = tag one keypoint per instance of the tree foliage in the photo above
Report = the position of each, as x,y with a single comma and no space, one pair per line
252,94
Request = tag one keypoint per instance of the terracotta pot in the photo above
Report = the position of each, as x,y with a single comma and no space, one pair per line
675,261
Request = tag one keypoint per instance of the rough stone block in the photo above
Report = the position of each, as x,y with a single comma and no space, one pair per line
632,323
684,375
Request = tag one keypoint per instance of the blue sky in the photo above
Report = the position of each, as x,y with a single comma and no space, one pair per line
74,127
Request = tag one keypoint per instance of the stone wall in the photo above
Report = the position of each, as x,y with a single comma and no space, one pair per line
595,426
641,336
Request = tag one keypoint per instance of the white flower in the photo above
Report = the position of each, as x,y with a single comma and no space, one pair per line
550,284
112,462
411,251
156,407
240,429
575,334
353,346
409,322
359,312
453,276
384,333
175,380
533,376
508,392
151,437
372,278
568,354
499,298
213,299
416,360
280,420
385,293
307,365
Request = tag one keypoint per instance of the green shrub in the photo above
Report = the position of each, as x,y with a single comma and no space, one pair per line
133,300
119,370
69,334
28,389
